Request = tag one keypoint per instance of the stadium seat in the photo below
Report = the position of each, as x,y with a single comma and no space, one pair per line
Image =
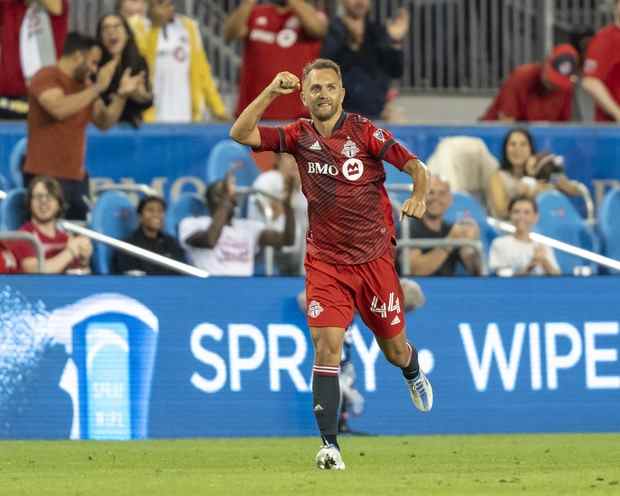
186,205
15,161
609,224
559,219
465,205
227,154
115,216
4,183
13,211
393,176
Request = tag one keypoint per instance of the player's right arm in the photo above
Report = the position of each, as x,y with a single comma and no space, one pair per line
245,128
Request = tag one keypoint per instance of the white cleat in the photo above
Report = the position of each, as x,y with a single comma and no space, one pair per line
421,392
329,458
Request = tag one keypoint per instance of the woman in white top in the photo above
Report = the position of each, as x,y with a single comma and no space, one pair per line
517,254
519,173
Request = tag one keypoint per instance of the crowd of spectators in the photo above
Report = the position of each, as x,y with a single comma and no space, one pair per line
147,63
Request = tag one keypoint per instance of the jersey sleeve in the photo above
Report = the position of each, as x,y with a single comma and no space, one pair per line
598,61
281,139
383,146
508,99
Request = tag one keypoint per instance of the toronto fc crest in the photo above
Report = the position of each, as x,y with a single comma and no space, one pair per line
350,149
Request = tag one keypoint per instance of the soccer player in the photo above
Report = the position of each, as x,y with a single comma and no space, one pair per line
351,236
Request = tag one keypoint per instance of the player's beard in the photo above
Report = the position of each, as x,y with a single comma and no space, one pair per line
324,114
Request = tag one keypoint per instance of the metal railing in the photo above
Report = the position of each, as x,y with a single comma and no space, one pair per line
30,238
465,46
136,251
591,256
404,244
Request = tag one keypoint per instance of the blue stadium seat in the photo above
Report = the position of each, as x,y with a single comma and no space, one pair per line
17,154
609,223
113,215
394,176
559,219
186,205
465,205
226,154
13,210
4,183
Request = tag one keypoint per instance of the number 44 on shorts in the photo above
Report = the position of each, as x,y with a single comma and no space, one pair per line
393,305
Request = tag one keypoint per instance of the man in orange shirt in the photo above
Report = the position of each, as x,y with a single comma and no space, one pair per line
538,92
602,70
63,99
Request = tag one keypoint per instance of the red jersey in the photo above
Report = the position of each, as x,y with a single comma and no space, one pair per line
603,62
8,262
349,212
12,14
275,42
524,97
51,246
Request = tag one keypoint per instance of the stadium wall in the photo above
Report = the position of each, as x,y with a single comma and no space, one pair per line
173,158
125,358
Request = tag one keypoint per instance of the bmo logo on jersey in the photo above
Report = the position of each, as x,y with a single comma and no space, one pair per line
353,169
319,168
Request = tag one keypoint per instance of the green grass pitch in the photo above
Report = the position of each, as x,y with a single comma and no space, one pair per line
377,466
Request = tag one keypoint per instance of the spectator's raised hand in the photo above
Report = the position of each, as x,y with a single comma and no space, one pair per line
540,255
130,84
398,27
85,247
470,228
105,75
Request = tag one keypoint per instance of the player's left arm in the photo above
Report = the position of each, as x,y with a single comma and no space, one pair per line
313,21
382,145
416,205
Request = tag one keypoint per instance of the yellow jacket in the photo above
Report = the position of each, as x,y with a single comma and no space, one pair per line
203,90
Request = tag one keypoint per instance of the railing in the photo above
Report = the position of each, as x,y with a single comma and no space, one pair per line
136,251
405,244
465,46
30,238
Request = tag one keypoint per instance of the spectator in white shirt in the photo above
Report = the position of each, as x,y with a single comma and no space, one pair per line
516,254
224,245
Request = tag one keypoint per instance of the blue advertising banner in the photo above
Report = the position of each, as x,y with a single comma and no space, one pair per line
128,358
172,158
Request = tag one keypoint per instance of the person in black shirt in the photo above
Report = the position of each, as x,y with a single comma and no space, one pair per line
370,56
149,236
117,42
442,261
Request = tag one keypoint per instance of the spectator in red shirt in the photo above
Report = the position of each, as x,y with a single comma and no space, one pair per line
8,263
538,92
62,253
24,50
602,70
278,36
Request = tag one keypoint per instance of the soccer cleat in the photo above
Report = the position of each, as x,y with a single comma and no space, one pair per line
421,392
329,458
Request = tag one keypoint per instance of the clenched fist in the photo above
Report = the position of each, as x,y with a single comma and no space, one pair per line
284,83
413,207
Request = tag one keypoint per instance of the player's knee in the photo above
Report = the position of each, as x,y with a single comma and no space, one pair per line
398,356
328,353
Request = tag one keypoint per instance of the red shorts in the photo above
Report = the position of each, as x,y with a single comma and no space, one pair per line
333,292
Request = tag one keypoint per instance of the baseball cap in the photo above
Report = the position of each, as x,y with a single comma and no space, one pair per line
561,66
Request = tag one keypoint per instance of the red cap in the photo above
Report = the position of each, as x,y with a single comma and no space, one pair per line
561,66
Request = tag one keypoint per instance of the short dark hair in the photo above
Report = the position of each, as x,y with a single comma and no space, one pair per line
52,186
321,64
523,198
145,200
77,42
